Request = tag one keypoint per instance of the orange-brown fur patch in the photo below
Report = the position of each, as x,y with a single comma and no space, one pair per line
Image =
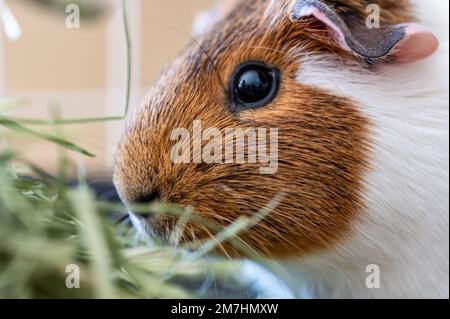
323,139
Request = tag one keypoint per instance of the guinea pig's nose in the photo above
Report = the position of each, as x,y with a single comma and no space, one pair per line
147,198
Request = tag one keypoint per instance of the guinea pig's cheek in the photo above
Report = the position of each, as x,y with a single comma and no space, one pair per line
324,148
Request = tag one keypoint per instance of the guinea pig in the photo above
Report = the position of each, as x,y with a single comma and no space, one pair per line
357,94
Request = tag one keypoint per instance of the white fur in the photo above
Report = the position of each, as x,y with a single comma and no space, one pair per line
405,230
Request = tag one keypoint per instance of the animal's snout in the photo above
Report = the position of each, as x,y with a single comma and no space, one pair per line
146,198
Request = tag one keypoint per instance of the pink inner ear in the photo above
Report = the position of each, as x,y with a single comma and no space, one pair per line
311,11
418,44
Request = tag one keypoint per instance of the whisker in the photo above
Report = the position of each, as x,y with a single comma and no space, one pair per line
219,244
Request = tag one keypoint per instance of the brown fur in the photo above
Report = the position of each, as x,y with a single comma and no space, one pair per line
323,139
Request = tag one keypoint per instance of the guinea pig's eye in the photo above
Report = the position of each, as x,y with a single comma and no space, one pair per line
253,85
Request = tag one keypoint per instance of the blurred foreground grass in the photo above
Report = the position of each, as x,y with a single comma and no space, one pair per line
47,227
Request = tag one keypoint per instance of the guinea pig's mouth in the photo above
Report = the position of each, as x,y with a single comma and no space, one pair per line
156,227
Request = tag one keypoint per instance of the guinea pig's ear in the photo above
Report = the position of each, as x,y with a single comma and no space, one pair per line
406,42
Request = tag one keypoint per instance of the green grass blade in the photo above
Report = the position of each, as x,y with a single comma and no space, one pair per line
126,30
69,121
14,126
83,203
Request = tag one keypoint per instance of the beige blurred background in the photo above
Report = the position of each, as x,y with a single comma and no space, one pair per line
82,71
